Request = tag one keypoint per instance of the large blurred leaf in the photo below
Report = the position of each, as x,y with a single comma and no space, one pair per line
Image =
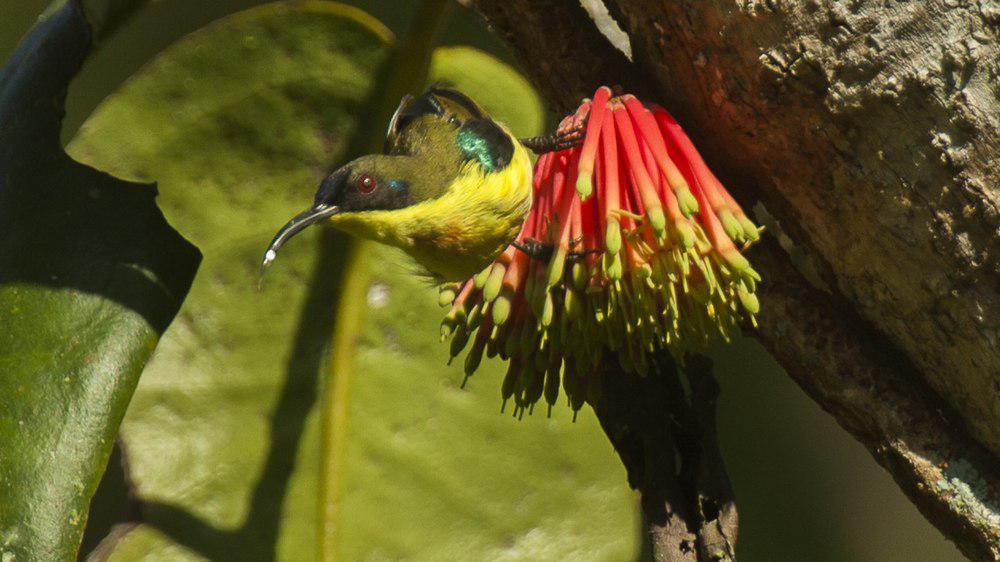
240,121
90,275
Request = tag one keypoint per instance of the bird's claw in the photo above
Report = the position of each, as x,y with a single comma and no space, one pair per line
538,250
554,142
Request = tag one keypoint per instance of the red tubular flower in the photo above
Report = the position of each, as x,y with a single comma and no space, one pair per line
632,244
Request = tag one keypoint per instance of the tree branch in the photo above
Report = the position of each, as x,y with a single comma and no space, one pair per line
846,365
876,394
715,500
689,511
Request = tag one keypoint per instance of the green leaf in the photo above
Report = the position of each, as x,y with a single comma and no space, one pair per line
90,276
497,87
240,121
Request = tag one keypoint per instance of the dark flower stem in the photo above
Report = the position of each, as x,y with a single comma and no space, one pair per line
666,438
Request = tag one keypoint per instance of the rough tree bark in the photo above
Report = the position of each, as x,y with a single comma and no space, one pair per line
869,130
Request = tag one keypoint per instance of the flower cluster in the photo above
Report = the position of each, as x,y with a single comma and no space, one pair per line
630,248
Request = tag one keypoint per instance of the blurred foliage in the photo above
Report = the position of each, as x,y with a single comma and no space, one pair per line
237,152
90,276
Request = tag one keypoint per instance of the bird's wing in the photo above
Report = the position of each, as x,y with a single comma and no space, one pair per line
477,136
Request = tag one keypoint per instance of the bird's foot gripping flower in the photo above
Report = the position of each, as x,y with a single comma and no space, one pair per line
630,247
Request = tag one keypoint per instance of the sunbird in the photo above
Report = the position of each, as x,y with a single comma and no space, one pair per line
451,189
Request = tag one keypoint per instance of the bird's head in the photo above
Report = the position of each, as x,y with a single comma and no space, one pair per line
451,188
375,182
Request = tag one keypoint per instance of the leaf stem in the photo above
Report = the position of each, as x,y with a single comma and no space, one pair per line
405,71
336,394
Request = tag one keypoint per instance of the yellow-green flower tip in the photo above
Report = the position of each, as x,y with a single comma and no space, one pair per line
613,237
446,297
749,300
493,283
657,221
548,309
750,230
685,234
474,315
446,329
613,267
479,279
736,261
530,287
556,266
568,299
537,301
731,225
584,186
644,271
501,310
687,202
573,305
579,275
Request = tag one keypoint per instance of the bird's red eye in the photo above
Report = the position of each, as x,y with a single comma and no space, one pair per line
366,183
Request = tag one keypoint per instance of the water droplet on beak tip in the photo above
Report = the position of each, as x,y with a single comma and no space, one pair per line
264,264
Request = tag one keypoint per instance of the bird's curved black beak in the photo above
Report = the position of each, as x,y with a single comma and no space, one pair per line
299,222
